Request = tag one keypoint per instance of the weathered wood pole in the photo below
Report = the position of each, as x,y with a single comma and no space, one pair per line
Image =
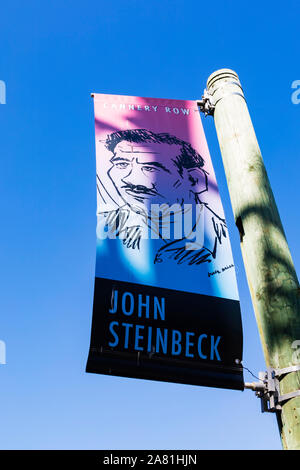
269,267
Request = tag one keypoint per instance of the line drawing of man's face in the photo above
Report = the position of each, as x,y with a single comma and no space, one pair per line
145,173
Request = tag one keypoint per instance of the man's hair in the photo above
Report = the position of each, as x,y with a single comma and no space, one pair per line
187,158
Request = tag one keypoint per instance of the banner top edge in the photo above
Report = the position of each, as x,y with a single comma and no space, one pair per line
104,96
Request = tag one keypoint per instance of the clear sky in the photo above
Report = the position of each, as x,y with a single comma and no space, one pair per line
53,55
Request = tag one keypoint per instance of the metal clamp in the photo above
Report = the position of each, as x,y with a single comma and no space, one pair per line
268,389
206,105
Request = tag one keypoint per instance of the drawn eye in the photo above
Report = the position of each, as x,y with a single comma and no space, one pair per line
122,165
149,169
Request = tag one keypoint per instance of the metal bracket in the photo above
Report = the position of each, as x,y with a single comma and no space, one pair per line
206,105
268,389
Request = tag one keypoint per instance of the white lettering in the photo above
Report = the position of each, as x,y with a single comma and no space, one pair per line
2,352
2,92
296,95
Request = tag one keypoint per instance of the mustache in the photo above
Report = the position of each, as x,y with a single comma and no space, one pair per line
140,189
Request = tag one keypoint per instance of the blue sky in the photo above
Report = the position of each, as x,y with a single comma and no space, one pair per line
53,55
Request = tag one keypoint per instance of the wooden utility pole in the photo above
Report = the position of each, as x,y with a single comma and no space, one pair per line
269,267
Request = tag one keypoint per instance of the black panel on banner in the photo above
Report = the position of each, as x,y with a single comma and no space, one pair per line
161,334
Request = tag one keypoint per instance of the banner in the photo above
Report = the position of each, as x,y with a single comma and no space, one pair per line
166,304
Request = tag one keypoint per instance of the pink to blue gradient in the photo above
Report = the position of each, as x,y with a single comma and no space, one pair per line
118,262
53,55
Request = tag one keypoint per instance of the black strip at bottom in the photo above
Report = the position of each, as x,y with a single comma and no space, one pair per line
161,334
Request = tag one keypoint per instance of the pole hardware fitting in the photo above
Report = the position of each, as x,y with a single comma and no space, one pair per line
208,102
206,105
268,389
